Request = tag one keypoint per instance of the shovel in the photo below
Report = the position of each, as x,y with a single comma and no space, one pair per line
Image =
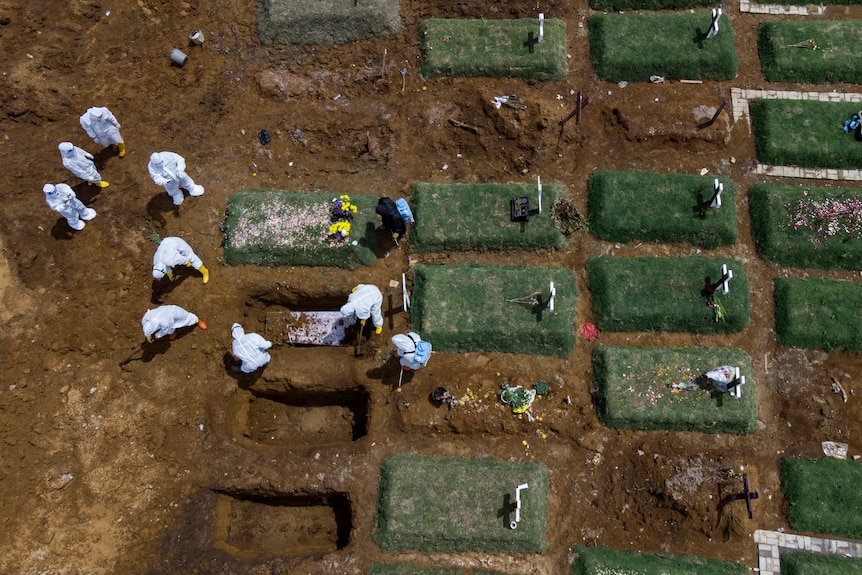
358,350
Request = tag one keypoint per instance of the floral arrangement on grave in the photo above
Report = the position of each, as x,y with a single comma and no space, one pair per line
341,216
566,216
824,218
541,388
518,398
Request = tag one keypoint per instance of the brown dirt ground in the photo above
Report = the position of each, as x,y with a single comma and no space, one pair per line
173,465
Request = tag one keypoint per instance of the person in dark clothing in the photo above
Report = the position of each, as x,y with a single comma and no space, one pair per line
391,217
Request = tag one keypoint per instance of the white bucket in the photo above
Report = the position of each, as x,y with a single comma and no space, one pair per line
196,37
178,57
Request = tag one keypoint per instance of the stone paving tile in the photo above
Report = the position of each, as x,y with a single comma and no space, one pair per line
779,9
770,544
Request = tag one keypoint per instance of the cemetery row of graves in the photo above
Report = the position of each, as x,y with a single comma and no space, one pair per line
484,308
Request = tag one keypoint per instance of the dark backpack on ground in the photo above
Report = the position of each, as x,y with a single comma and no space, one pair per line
392,220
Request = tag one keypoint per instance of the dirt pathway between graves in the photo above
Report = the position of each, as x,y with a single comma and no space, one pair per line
172,465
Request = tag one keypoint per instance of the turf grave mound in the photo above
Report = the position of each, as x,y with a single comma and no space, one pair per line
494,48
807,227
800,563
460,217
495,308
271,228
620,5
633,47
326,21
627,206
822,496
447,504
667,294
810,52
818,314
805,133
634,390
607,561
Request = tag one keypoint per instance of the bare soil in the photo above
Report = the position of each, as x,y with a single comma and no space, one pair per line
172,464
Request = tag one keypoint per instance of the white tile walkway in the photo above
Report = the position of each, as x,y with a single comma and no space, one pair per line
770,544
739,98
751,7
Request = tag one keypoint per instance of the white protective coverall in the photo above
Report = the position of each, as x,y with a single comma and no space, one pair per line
250,348
365,302
165,319
101,125
169,170
406,345
173,252
62,199
79,163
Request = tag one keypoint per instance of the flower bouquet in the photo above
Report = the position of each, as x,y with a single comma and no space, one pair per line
341,216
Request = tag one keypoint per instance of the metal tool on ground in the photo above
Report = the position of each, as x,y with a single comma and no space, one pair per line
576,113
747,495
400,377
714,116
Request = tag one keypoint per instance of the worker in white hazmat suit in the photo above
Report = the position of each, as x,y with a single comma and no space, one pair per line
101,125
250,348
166,319
365,302
174,252
169,170
414,352
81,164
62,199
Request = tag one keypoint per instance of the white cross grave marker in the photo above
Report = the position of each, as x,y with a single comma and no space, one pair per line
718,187
551,299
713,28
540,194
541,26
726,276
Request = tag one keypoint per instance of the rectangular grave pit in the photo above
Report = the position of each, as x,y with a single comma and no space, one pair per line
284,525
299,419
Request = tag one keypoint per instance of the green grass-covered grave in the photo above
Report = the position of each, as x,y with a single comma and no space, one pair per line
494,308
811,51
666,294
268,227
634,389
799,563
805,133
629,5
627,206
807,227
326,21
818,314
633,47
496,48
407,569
458,217
823,495
606,561
445,504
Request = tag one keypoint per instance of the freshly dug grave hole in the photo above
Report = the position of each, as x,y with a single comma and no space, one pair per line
284,525
305,419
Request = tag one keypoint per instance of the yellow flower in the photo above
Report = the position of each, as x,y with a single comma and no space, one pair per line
353,208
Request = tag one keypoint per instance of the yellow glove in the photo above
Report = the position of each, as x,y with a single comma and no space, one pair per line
188,264
354,289
171,276
362,322
150,338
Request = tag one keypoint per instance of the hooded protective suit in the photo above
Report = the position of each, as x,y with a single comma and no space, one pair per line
101,125
173,252
169,170
79,163
365,302
250,348
406,345
390,216
165,319
62,199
